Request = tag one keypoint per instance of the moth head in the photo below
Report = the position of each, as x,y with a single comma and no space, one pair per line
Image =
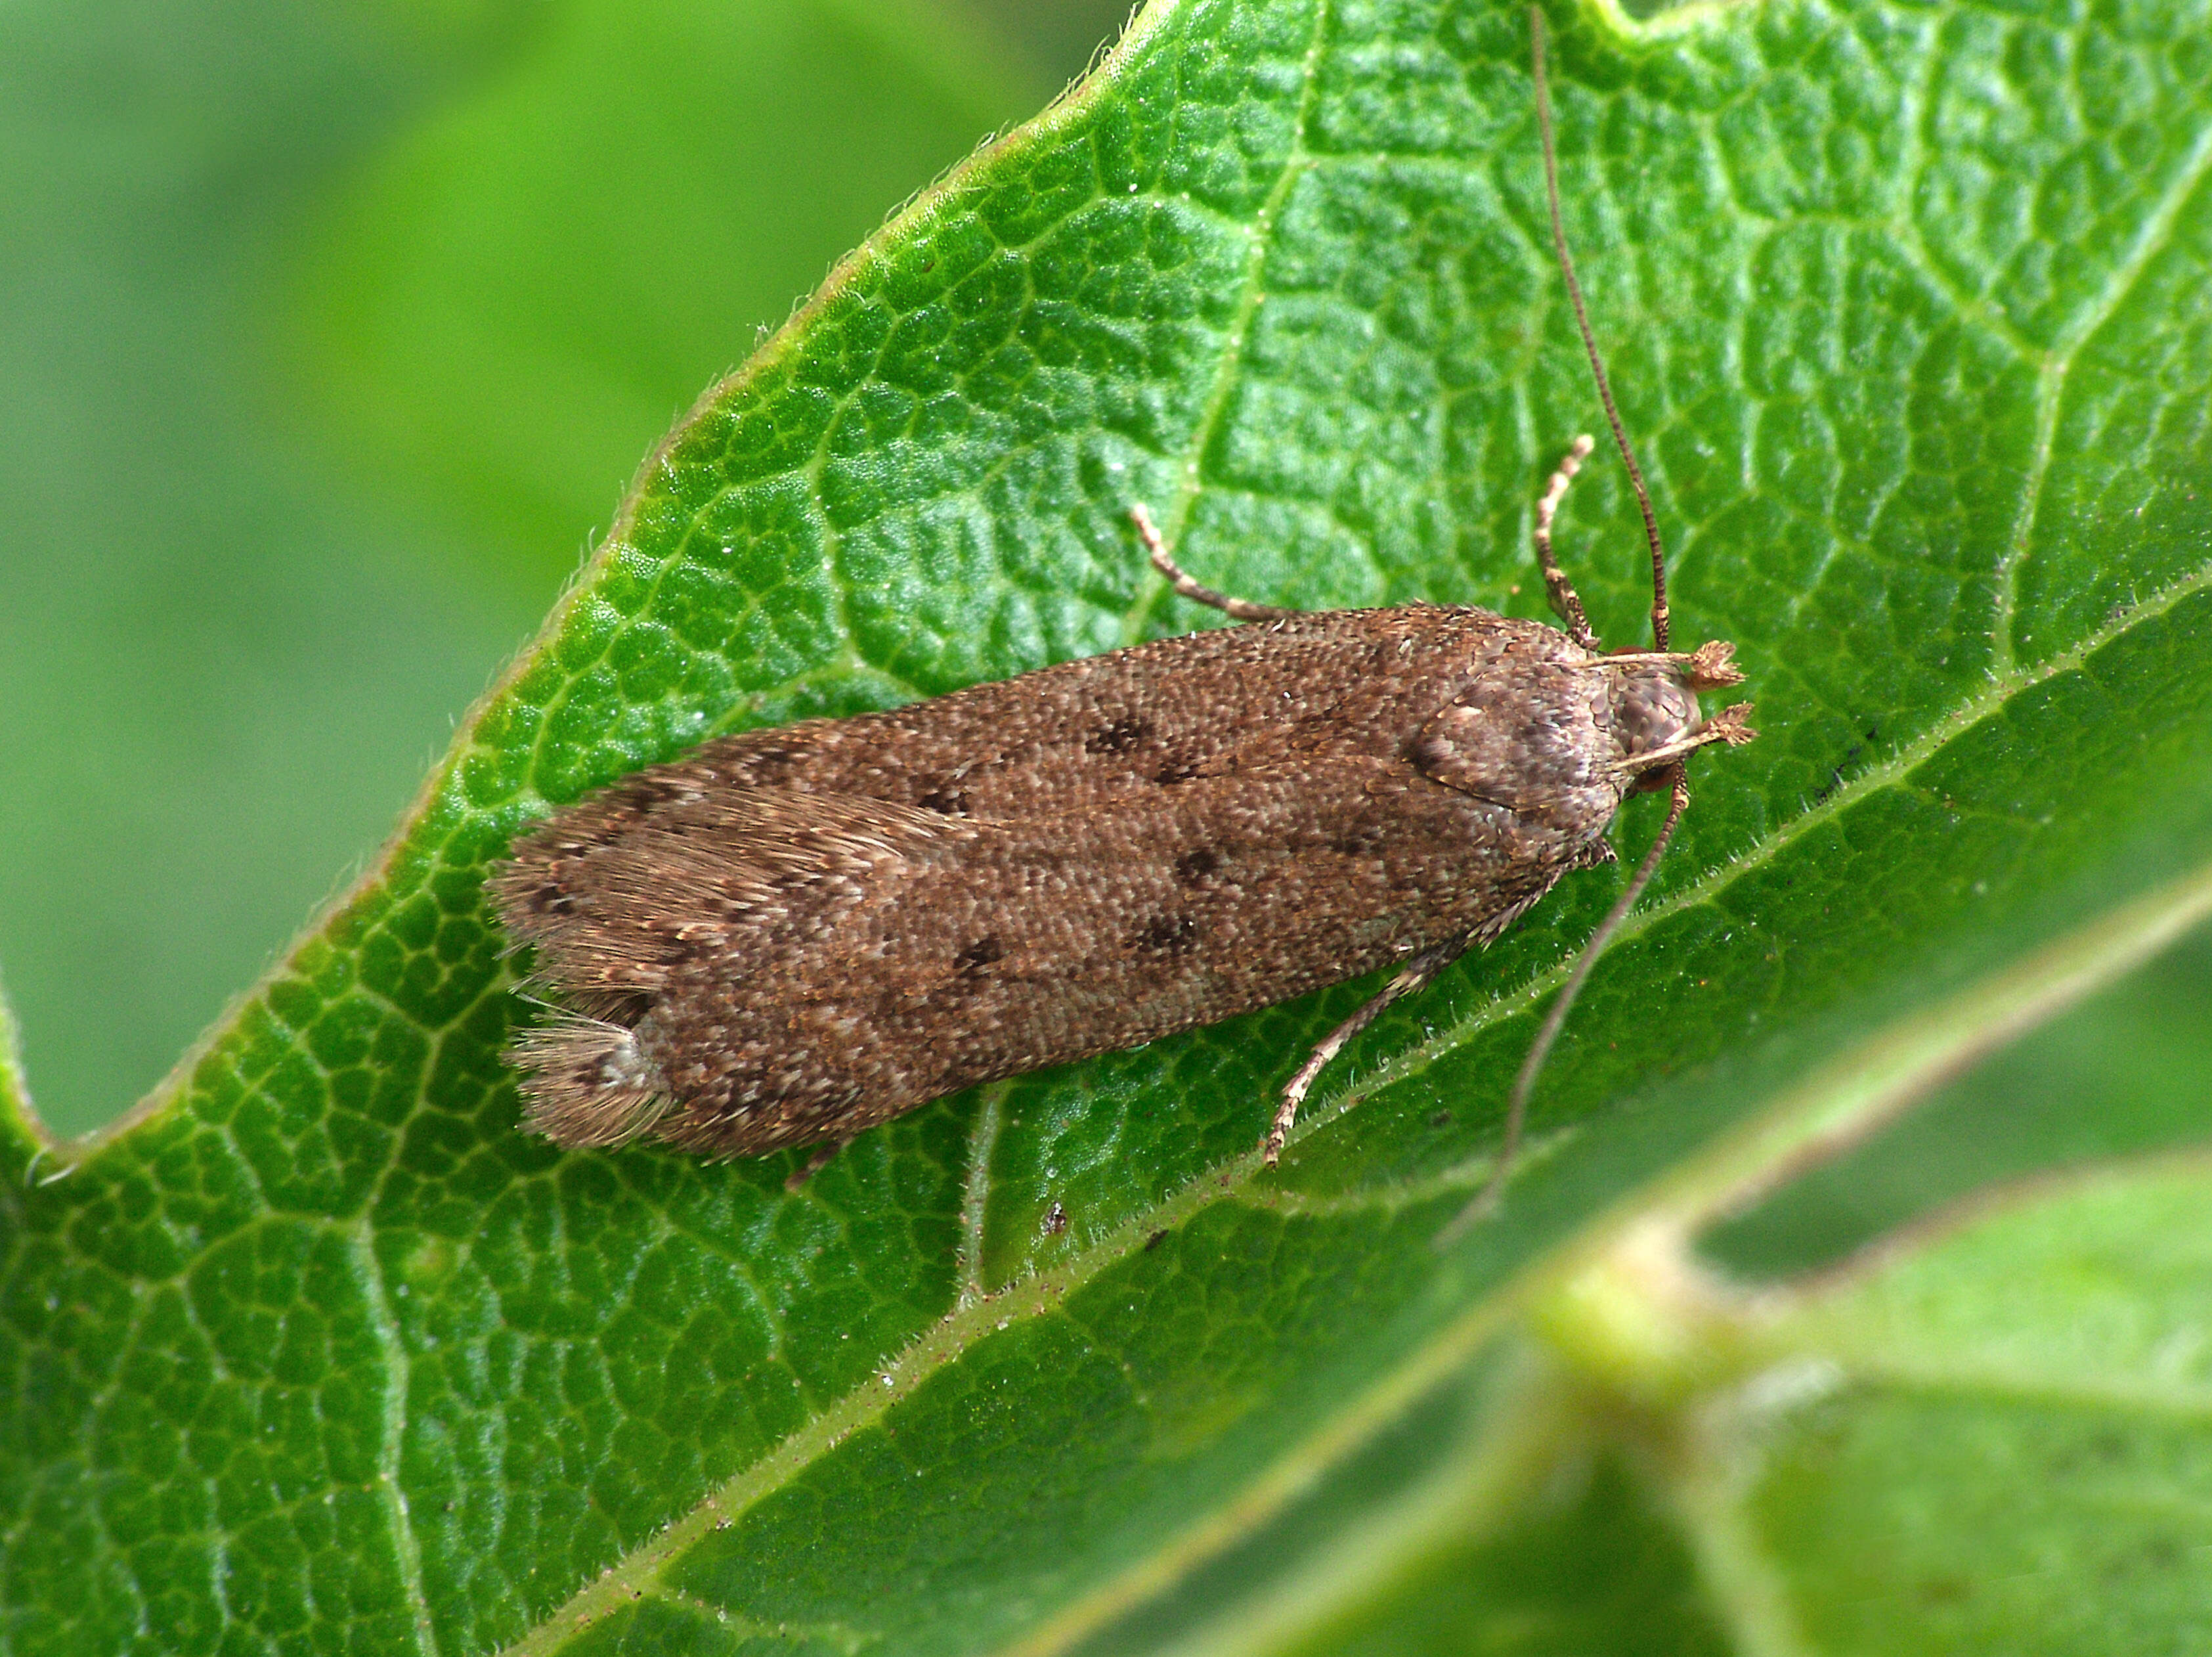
1656,713
1653,709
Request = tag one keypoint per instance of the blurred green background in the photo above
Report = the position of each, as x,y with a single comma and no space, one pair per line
329,337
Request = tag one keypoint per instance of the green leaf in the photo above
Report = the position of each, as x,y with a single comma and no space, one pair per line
1906,309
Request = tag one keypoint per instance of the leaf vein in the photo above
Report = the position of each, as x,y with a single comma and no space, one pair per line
2152,237
390,1492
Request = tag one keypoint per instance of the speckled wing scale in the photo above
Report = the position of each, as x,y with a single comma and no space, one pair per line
790,935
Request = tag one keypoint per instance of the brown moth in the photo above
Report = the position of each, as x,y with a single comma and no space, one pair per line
790,935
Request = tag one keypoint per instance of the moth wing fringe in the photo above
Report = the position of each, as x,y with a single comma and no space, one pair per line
587,1082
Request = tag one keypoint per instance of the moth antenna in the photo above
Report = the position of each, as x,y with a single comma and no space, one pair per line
1516,1110
1589,339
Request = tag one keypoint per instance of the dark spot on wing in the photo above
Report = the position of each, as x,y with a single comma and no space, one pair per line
627,1008
548,898
1119,737
971,961
1168,935
948,801
681,948
648,789
1365,840
1195,867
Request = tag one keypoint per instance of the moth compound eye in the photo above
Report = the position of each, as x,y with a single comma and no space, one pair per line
1652,711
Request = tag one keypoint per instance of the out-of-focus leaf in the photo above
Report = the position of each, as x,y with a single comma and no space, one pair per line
1982,1435
2127,1072
2015,1457
221,675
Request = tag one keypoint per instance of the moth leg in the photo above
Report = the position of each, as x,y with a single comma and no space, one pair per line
1414,975
1239,609
1566,604
814,1164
